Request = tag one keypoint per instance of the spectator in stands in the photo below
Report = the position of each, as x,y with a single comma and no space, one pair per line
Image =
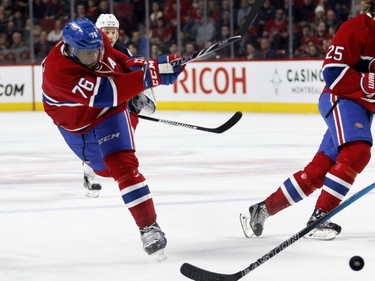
3,19
10,29
161,33
243,11
133,49
156,13
39,9
8,8
81,11
331,18
91,10
213,10
55,35
314,51
42,47
4,45
304,12
140,42
18,19
123,38
320,16
17,40
173,49
155,51
276,30
266,52
321,33
190,28
265,15
224,34
55,9
251,53
189,49
170,13
206,31
103,8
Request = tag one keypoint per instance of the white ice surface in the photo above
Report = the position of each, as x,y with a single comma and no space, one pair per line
49,231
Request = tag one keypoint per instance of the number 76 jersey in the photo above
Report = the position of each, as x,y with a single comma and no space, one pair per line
77,98
350,54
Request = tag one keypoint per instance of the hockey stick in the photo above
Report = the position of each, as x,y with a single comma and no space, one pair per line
217,46
199,274
226,126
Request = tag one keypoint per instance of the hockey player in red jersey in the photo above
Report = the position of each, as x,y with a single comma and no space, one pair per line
144,102
347,105
85,92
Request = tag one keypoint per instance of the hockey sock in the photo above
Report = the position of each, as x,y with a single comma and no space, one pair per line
351,161
300,184
135,192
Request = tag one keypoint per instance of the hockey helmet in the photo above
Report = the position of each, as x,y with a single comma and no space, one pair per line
107,20
84,41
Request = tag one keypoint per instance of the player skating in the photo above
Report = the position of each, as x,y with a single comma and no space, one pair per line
85,92
347,104
144,102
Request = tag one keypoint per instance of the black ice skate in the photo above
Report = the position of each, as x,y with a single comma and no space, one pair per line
154,241
90,182
252,220
326,231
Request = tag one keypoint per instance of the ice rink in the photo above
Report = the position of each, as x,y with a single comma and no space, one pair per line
49,231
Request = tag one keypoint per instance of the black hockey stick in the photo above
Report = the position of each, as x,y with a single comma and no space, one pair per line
226,126
199,274
217,46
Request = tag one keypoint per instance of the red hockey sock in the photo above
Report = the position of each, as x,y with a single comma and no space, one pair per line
133,187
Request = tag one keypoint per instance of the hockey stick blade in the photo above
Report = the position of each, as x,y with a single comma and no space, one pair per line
255,9
221,129
199,274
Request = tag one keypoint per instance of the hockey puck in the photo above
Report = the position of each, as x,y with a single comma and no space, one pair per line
356,263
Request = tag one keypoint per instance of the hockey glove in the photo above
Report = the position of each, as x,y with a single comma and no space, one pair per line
134,64
144,102
368,84
160,72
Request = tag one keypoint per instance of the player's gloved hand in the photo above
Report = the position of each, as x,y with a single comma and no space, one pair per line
134,64
368,84
160,72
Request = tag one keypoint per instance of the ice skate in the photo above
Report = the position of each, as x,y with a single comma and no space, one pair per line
252,220
325,231
154,241
90,182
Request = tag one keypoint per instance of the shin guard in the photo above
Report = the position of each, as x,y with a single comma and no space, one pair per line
135,192
351,161
300,185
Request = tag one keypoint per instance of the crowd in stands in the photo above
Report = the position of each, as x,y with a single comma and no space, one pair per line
313,24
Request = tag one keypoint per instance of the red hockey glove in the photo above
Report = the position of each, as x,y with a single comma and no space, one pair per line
134,63
368,84
160,72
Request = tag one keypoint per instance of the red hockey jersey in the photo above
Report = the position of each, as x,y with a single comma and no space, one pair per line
351,53
77,98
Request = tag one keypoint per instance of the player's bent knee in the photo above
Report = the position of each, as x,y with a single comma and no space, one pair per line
355,155
123,166
316,171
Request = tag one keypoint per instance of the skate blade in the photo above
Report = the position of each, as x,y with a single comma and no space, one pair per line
92,193
321,234
160,256
247,231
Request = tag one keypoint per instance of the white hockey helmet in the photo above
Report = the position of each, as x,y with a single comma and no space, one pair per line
107,20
